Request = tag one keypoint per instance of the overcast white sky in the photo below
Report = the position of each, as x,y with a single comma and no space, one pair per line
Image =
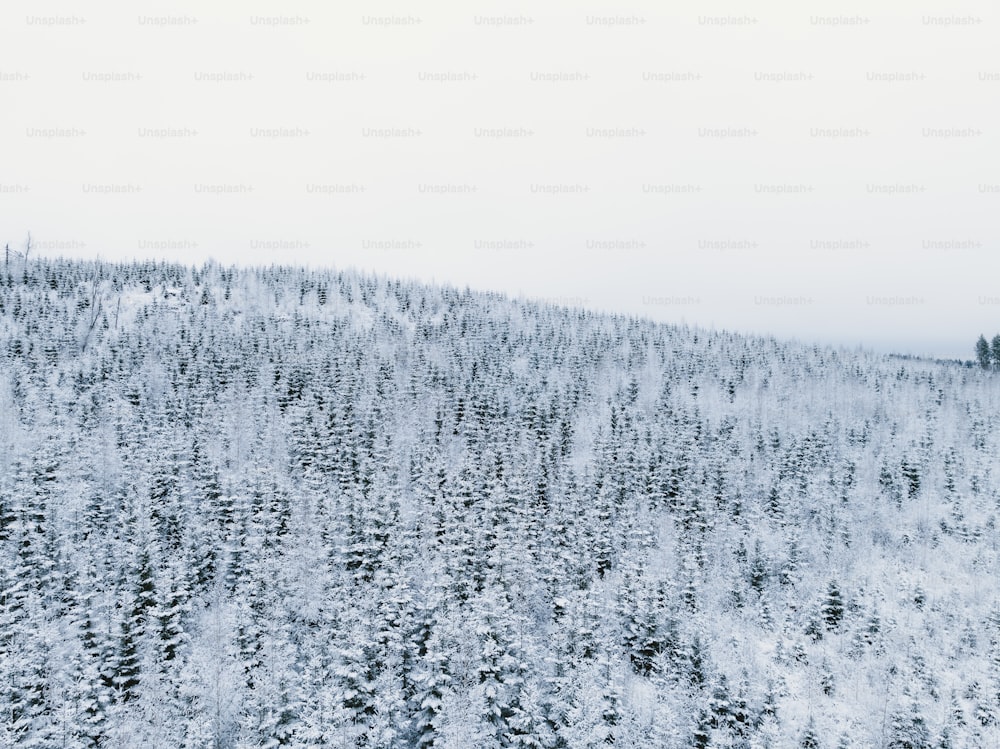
829,172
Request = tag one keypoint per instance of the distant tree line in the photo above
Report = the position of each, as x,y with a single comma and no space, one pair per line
988,352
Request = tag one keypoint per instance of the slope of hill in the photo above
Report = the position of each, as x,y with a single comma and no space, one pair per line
280,507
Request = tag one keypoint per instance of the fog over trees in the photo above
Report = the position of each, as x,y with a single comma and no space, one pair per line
280,507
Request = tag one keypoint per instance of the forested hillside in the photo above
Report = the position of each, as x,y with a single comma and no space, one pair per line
282,507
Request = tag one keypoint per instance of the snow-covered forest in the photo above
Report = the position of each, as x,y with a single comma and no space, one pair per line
287,507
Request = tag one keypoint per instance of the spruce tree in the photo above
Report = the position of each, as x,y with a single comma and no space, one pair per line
983,353
833,606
